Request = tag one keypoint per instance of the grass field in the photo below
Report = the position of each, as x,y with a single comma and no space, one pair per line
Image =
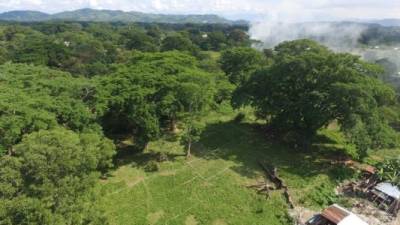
210,188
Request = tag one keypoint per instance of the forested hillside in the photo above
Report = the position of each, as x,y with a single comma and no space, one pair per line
94,15
122,123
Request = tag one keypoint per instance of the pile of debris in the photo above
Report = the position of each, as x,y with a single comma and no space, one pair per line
374,201
377,201
301,215
384,194
371,214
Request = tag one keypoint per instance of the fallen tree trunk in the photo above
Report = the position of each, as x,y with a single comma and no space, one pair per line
261,188
279,183
288,198
273,176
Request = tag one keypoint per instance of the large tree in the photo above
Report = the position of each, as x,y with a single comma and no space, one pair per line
177,42
239,63
153,90
309,86
139,40
50,178
34,98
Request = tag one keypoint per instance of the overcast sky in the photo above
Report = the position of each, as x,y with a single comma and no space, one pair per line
305,10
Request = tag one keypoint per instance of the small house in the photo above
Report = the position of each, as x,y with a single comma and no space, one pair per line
336,215
387,196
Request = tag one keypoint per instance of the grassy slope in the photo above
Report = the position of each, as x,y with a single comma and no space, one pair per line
210,187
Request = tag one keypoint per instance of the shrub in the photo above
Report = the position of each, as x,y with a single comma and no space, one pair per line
389,171
342,173
162,157
322,195
152,166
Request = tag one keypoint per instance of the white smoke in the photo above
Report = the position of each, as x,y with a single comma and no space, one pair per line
337,36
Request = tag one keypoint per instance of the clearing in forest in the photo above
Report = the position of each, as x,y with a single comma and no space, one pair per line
210,188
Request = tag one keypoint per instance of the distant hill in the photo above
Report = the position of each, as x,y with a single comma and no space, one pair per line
113,16
24,16
387,22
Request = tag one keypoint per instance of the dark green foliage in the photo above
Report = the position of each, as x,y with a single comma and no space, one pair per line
322,195
50,178
239,38
144,81
35,98
342,173
151,166
309,86
91,48
192,134
26,211
217,40
152,90
31,49
177,42
240,63
239,117
162,157
392,114
389,171
138,40
48,175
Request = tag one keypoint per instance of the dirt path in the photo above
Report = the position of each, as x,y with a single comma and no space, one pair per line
397,221
143,179
301,215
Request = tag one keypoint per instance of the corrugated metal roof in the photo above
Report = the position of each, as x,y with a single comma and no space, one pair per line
335,214
389,189
341,216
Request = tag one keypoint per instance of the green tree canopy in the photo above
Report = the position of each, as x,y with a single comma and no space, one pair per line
139,40
239,63
309,86
154,89
34,98
177,42
50,178
388,171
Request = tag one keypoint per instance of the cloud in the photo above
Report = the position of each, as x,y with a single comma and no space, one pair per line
271,9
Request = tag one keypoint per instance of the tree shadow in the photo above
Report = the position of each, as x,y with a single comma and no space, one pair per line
323,139
135,157
247,144
131,154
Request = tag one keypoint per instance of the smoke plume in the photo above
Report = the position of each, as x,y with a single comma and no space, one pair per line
338,36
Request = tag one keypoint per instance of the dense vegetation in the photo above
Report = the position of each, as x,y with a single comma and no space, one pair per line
309,87
92,48
79,99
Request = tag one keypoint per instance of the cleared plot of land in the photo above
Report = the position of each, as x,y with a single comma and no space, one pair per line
210,188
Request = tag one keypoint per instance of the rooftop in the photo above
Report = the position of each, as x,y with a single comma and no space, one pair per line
341,216
389,189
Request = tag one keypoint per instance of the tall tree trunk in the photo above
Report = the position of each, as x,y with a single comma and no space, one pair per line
189,154
173,126
10,151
